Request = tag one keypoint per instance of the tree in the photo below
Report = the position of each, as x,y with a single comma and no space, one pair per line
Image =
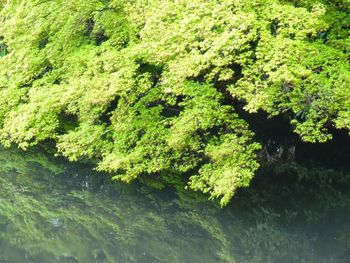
149,87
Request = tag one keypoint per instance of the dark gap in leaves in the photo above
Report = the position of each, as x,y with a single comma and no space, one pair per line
106,115
25,85
214,132
274,27
90,24
100,37
43,42
3,47
221,85
276,134
334,153
154,70
171,111
318,70
200,78
174,109
57,81
47,69
287,87
67,121
97,36
253,47
320,36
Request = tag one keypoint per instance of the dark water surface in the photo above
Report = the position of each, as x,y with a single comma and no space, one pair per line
52,211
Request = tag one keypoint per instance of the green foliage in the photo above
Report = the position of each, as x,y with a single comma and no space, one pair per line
148,87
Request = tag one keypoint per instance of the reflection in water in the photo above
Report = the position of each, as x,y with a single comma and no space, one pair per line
51,211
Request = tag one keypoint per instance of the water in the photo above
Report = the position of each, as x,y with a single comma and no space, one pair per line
52,211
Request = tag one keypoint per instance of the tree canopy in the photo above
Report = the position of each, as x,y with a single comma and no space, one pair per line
150,87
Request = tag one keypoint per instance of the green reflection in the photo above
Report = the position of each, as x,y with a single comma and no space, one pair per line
51,211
